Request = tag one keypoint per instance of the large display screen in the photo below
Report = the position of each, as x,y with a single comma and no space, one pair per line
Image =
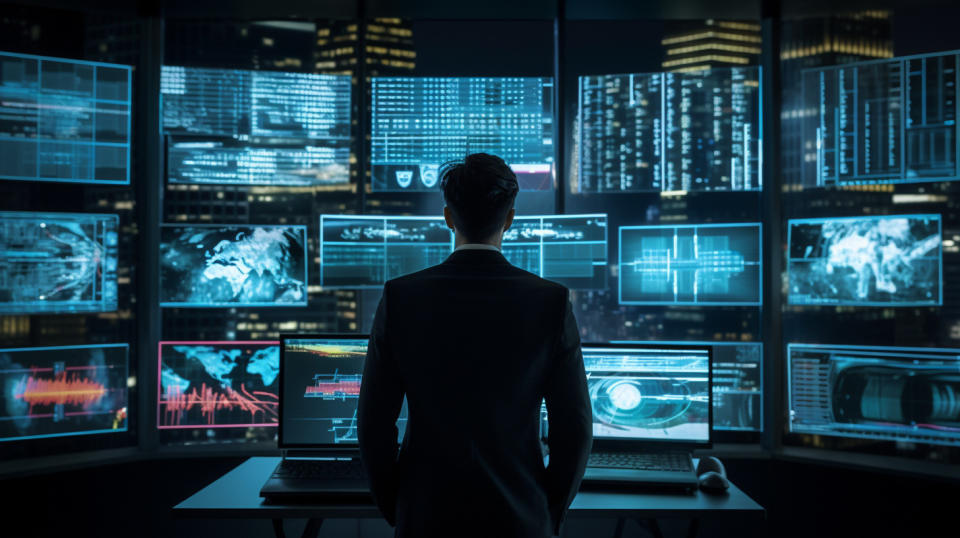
569,249
217,384
693,264
907,395
63,391
891,260
229,126
657,132
57,262
240,265
64,120
882,121
419,123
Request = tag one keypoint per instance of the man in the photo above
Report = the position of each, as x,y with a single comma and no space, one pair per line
475,344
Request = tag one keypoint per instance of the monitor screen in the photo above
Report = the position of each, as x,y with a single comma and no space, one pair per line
64,120
228,126
891,260
649,393
217,384
321,386
419,123
241,265
664,132
697,264
58,262
907,395
63,391
569,249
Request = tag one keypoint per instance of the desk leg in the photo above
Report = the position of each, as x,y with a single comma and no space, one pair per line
694,529
618,532
278,528
312,530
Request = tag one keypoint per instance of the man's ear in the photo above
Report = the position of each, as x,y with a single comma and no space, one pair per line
448,217
509,222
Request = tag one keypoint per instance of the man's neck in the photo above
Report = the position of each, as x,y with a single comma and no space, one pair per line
494,241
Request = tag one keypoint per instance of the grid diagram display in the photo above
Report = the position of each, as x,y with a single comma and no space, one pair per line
657,132
58,262
64,120
695,264
419,123
228,126
570,249
891,260
882,121
875,393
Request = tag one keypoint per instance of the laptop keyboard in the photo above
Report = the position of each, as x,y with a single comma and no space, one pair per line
642,461
322,469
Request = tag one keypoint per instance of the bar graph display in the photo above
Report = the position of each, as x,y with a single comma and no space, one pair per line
64,120
890,260
694,264
882,121
569,249
63,391
660,132
58,262
419,123
228,126
875,393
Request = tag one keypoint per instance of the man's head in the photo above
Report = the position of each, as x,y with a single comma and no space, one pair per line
479,193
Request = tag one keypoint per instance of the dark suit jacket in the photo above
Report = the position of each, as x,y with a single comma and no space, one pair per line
474,344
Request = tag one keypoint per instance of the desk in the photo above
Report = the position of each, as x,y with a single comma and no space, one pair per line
237,495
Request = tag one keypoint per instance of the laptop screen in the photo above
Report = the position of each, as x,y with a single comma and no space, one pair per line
649,393
320,386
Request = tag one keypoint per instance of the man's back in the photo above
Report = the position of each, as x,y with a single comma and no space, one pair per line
474,344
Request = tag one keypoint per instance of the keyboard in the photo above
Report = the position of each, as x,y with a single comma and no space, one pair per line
321,469
668,461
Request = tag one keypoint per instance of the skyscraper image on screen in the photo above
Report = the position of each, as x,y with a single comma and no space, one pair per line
890,260
64,120
693,264
657,132
419,123
217,384
228,126
233,265
875,393
57,262
63,391
881,121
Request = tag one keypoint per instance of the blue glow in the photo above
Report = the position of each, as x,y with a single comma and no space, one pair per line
569,249
892,260
226,266
419,123
701,264
64,120
57,262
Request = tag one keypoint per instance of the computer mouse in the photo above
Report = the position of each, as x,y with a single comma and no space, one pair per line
713,482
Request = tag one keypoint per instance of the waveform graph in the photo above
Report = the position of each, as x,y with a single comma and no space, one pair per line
63,391
212,384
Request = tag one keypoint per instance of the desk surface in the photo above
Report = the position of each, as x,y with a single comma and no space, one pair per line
237,495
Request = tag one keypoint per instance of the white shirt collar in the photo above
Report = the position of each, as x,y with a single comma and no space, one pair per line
476,246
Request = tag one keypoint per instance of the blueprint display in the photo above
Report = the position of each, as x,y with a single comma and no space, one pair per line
419,123
64,120
893,260
875,393
881,121
57,262
657,132
694,264
228,126
225,266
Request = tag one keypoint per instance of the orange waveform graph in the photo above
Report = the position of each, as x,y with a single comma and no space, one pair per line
261,406
64,389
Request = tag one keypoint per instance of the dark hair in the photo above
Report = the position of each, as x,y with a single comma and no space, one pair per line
479,191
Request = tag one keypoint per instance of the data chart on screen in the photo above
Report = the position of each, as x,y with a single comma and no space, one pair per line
670,132
64,120
419,123
897,394
63,391
217,384
694,264
881,121
569,249
58,262
890,260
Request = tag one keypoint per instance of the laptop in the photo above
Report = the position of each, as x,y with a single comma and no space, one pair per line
320,379
652,406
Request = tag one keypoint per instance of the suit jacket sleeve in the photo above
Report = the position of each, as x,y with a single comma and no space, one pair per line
381,397
570,420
